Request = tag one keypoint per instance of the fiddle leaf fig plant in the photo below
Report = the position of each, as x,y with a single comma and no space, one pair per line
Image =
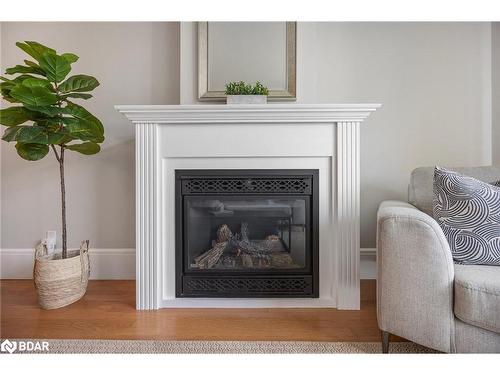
44,116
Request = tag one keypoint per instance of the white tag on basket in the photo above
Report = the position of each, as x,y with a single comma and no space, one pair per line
50,241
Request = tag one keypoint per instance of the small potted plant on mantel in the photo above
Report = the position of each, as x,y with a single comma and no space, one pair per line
44,118
242,93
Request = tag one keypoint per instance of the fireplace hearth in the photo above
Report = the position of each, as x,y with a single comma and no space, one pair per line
247,233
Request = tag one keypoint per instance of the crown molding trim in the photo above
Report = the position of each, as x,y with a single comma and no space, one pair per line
247,113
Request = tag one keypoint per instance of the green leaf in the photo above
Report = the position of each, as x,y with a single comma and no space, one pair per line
25,69
70,57
31,63
18,79
70,121
37,82
82,130
38,96
26,134
6,95
15,115
32,151
9,84
34,49
52,122
78,95
56,67
5,88
10,134
88,128
49,111
87,148
56,138
79,83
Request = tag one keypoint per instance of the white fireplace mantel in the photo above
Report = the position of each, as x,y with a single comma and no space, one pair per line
274,136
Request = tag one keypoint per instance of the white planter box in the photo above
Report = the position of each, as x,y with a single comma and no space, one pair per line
246,99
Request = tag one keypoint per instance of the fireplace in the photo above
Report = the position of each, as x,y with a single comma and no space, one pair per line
247,233
191,141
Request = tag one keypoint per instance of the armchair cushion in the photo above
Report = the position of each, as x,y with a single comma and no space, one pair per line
477,296
468,211
420,192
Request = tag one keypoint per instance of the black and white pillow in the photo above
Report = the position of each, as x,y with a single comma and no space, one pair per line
468,211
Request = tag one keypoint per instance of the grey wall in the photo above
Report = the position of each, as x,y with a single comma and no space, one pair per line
495,42
136,63
434,80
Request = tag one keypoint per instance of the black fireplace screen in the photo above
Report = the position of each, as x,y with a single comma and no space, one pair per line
246,233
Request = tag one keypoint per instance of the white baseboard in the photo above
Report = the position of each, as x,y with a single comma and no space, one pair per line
119,264
105,264
368,263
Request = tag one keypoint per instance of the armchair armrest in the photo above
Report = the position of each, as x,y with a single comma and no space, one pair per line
415,277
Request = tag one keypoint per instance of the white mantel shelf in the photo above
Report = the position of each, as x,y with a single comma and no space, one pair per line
245,113
325,137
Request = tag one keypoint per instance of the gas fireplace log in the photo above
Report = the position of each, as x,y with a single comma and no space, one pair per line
247,246
249,251
245,233
224,233
246,261
253,249
210,258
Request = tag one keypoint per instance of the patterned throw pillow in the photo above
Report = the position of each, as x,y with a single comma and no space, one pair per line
468,211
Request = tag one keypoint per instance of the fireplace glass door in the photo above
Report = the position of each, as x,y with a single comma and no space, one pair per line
246,233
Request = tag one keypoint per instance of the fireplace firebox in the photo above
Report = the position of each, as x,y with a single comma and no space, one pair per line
247,233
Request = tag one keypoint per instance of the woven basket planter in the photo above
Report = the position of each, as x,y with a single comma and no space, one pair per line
60,282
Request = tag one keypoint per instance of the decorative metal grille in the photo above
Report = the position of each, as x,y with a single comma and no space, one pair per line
248,286
247,185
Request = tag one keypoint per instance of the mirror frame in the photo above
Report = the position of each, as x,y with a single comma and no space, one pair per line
204,94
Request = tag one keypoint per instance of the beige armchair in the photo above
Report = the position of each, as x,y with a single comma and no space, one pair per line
421,294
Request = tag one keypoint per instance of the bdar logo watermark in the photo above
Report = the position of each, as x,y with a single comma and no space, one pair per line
8,346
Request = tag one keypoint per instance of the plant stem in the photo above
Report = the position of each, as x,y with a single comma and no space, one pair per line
63,203
60,159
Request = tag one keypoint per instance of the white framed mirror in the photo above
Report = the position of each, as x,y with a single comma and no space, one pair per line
250,52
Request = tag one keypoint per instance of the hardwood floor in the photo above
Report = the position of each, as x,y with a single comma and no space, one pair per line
108,312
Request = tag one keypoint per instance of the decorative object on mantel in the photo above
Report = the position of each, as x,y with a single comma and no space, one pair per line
42,94
243,93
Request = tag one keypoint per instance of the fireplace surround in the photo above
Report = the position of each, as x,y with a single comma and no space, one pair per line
247,233
321,137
